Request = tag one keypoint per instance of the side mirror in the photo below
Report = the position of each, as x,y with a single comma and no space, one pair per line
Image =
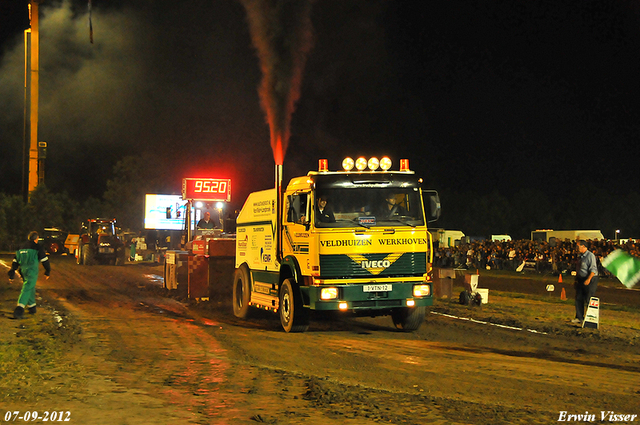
432,205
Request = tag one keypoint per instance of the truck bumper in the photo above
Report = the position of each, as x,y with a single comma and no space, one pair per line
401,295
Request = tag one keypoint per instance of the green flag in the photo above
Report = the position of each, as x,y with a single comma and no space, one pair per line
625,267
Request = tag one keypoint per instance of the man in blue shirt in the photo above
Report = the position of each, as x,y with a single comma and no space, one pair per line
586,279
27,259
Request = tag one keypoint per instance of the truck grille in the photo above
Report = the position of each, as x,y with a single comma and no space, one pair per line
409,264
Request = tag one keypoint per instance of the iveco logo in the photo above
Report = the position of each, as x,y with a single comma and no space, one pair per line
375,264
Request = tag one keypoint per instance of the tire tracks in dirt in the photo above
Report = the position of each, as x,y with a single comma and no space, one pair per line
160,357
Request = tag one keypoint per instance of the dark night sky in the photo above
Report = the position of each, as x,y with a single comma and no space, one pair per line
479,95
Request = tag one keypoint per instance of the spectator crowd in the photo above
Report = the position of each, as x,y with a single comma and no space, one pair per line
559,256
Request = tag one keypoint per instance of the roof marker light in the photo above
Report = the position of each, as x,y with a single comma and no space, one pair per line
373,163
385,163
347,164
404,165
323,165
361,163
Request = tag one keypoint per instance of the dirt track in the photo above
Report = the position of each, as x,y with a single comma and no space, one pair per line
146,358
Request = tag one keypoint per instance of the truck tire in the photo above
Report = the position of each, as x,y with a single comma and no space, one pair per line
241,292
408,318
293,315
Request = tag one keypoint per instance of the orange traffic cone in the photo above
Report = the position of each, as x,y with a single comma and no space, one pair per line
563,295
477,271
560,278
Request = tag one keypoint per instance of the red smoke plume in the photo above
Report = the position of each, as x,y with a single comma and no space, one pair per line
281,33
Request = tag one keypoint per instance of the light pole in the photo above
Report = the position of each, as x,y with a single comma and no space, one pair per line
31,175
617,234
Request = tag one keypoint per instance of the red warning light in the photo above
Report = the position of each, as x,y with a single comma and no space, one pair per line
404,165
323,165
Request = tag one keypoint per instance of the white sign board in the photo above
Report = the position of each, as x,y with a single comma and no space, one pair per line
164,212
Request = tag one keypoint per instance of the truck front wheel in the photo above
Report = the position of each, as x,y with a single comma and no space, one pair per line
293,315
241,292
408,318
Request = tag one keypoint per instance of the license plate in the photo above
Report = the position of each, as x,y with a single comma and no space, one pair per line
377,288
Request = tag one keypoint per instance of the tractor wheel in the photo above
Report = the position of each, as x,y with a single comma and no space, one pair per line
293,315
79,254
120,257
408,318
241,292
88,255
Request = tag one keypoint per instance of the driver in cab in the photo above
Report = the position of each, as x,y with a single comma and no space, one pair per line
393,207
324,214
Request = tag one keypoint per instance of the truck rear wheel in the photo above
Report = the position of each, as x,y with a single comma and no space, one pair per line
293,315
241,292
408,318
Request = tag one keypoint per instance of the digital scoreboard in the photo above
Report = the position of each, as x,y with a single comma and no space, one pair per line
206,189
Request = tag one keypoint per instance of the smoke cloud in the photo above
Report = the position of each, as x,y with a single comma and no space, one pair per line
162,76
281,32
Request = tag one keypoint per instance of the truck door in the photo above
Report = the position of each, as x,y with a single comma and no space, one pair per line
296,229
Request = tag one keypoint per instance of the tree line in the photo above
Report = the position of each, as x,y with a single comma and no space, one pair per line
123,200
475,214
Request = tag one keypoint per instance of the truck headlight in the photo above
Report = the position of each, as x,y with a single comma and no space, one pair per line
421,290
328,293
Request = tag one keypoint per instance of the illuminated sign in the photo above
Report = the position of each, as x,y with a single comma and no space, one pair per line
206,189
164,212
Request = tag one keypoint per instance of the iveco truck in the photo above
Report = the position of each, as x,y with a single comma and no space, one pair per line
354,240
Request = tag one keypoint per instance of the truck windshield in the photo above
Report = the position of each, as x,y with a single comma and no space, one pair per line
368,207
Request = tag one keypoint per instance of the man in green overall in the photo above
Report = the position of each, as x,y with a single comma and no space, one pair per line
27,259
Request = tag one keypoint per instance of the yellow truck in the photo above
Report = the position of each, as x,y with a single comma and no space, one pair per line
354,240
